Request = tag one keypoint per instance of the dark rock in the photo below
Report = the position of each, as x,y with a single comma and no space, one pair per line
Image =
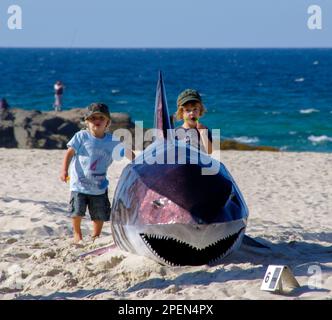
48,130
67,128
5,115
7,138
234,145
52,130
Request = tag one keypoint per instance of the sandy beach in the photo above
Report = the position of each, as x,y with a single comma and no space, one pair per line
289,196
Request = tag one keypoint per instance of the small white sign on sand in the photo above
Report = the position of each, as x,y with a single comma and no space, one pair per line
277,278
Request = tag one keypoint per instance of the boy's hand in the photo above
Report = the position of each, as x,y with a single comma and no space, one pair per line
192,122
65,164
129,154
64,176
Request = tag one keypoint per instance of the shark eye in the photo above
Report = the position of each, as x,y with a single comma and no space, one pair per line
159,203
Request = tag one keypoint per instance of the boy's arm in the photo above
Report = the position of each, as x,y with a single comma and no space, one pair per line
65,164
207,143
129,154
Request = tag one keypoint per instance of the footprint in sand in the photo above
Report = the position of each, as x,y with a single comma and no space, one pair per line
11,241
22,255
53,272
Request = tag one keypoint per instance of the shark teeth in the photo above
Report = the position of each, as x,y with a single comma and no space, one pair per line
153,251
173,251
214,261
145,238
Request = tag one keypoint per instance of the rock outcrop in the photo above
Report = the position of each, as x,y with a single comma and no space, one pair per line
48,130
52,130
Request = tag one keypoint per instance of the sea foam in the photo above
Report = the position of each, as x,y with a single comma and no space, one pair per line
319,139
307,111
245,139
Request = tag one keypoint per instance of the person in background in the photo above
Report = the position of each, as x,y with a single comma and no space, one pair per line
4,106
58,92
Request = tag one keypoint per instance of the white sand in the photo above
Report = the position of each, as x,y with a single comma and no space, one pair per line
289,196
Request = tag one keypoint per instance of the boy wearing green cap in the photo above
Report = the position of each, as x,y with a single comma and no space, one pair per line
190,109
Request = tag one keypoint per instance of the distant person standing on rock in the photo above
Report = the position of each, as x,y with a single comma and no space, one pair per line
4,106
58,90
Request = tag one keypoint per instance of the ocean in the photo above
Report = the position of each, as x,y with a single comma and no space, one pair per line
273,97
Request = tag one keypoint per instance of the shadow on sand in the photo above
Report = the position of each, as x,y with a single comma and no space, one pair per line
297,255
51,207
75,295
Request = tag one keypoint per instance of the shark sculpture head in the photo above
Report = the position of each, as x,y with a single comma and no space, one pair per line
169,210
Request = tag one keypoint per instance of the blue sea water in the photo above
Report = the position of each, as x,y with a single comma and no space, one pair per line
275,97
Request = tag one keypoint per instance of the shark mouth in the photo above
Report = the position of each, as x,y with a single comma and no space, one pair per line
175,252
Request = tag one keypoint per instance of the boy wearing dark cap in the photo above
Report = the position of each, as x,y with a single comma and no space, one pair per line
89,154
190,109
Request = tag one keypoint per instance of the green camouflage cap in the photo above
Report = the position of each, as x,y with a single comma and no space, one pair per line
188,95
95,108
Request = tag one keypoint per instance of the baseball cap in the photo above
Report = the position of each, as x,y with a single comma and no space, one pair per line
95,108
188,95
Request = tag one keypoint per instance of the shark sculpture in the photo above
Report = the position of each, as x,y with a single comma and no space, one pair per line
177,212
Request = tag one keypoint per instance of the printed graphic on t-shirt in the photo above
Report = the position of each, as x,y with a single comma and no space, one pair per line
92,159
94,165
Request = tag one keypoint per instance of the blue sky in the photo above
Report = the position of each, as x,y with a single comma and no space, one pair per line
167,23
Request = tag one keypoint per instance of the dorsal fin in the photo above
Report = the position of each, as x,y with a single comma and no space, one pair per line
162,120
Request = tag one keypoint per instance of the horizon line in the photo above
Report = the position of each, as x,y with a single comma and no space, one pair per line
166,48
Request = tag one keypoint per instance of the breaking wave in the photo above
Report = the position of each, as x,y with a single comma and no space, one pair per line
307,111
245,139
319,139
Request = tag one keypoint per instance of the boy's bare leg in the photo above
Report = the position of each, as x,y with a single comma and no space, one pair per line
77,229
97,227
